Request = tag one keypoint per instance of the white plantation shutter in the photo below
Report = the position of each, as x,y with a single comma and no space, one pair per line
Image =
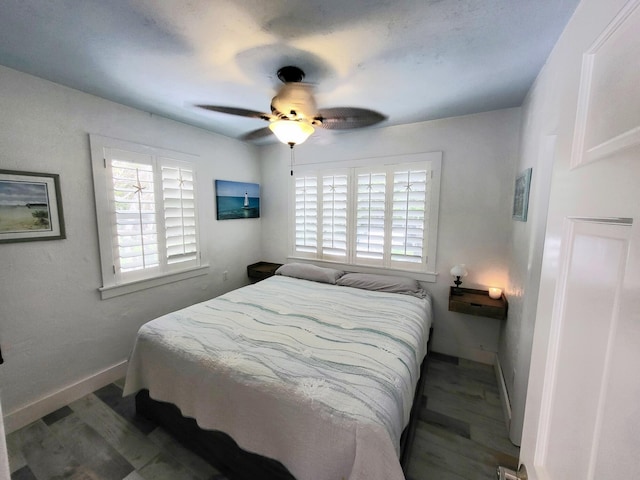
135,227
409,208
306,214
178,195
376,216
151,215
334,215
370,215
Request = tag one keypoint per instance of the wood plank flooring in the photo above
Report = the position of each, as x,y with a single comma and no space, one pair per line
461,436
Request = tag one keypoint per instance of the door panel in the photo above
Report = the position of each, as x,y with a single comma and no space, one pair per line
607,119
619,439
584,325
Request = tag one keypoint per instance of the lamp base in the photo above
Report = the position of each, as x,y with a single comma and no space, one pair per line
456,290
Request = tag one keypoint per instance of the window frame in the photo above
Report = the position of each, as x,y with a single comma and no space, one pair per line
424,270
113,282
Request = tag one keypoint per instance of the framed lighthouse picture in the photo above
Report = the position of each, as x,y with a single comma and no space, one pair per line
237,200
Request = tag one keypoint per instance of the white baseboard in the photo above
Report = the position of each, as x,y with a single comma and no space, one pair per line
504,394
30,413
4,456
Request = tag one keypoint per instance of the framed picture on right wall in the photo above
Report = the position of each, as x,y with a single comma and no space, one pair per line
521,196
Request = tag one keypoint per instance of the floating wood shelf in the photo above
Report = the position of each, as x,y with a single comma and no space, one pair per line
261,270
477,302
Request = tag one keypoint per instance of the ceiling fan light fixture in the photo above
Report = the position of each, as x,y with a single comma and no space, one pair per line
291,132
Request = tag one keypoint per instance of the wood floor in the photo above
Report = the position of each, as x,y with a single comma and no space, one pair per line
461,436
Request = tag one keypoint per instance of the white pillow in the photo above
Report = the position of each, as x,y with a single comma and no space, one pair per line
306,271
382,283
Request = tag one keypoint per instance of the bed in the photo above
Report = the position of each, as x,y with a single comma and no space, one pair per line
317,373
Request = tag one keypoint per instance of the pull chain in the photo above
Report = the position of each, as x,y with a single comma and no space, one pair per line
292,158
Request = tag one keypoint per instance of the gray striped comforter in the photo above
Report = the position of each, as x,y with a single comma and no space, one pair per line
317,376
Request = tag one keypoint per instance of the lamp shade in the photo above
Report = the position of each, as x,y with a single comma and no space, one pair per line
459,270
291,132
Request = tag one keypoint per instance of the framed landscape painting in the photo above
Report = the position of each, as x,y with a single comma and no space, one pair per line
30,207
237,200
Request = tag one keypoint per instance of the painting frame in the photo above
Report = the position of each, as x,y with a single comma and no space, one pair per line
30,207
235,200
521,195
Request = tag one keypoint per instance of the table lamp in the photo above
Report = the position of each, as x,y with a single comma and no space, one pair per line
458,271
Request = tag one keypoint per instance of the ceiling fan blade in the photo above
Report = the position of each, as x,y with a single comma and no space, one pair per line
256,134
342,118
242,112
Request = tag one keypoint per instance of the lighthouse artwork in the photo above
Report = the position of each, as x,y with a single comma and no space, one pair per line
237,200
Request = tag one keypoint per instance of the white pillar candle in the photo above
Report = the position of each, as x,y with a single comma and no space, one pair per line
495,293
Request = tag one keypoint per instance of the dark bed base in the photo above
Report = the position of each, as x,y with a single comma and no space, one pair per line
216,447
406,440
221,451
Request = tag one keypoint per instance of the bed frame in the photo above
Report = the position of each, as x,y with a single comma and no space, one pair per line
221,451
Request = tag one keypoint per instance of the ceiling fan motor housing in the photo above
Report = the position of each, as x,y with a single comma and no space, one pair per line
290,73
295,101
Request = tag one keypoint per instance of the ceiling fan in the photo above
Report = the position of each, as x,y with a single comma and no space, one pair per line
294,114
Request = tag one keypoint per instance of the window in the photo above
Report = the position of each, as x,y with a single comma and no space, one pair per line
147,216
410,210
371,208
334,215
306,220
382,216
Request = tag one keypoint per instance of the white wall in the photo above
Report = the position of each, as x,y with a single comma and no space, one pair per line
525,261
479,153
54,329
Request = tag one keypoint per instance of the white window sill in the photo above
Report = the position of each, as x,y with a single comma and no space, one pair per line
125,288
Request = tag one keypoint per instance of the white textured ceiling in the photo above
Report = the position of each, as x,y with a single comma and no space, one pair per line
411,60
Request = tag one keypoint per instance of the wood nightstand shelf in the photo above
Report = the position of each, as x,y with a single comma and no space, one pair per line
477,302
261,270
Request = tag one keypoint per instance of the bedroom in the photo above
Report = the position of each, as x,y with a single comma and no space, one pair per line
60,340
